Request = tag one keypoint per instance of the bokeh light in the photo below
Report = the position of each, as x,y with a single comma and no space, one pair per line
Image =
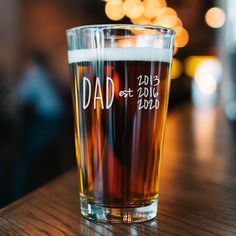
163,3
114,10
142,20
166,11
177,68
176,50
179,23
215,17
181,37
149,12
133,8
205,79
151,8
192,63
168,21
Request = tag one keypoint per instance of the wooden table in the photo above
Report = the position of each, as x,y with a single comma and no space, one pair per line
198,188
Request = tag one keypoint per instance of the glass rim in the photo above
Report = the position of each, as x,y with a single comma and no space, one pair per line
165,30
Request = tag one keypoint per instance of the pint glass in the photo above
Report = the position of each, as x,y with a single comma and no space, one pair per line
120,86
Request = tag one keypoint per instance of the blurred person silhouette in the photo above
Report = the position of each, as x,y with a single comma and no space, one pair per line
37,90
42,111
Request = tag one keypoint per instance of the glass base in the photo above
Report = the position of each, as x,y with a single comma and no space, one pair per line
118,215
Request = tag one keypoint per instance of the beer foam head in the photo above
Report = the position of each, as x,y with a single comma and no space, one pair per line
120,54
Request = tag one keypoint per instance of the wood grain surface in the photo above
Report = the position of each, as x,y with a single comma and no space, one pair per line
198,188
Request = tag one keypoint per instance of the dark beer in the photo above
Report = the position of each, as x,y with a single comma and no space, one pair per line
120,103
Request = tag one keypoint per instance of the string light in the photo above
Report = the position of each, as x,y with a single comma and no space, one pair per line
181,37
163,3
168,21
114,1
151,12
179,23
166,11
142,20
151,8
114,10
133,8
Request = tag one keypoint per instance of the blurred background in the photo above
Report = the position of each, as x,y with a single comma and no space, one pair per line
36,116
